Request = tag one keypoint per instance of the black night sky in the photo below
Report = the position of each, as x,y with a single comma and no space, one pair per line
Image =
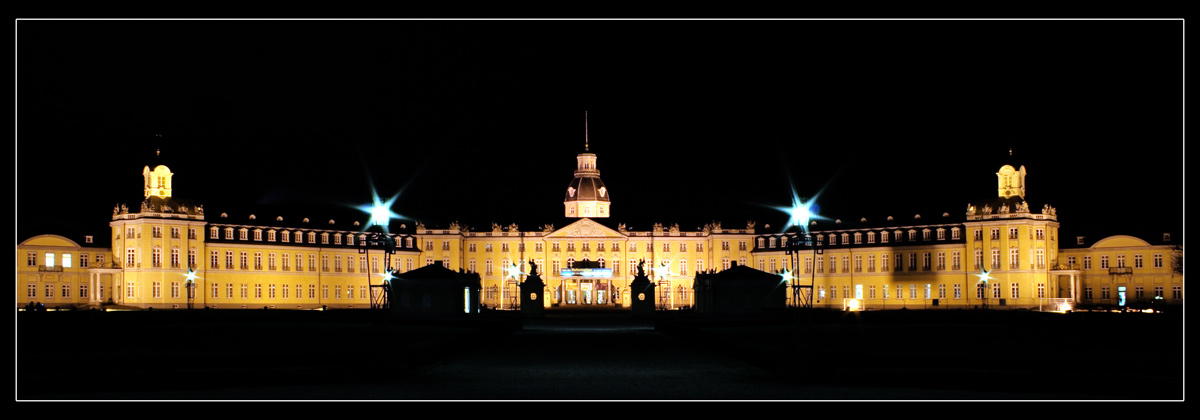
692,120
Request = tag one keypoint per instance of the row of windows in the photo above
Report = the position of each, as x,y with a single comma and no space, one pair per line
65,288
845,237
283,291
1138,292
1013,233
587,246
132,259
924,291
666,266
157,232
886,263
298,237
927,261
1138,261
176,291
288,262
66,260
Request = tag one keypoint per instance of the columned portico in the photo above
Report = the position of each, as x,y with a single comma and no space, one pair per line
100,281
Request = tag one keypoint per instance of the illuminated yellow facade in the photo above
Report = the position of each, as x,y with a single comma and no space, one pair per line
166,254
1125,271
1002,256
58,272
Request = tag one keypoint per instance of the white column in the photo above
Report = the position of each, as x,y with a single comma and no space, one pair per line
92,287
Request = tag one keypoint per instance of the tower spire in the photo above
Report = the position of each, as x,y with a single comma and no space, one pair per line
585,130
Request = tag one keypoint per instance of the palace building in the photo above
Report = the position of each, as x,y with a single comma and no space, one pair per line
167,253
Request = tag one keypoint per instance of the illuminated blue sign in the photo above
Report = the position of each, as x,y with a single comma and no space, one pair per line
586,272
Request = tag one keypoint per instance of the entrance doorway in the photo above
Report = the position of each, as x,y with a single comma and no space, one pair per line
586,292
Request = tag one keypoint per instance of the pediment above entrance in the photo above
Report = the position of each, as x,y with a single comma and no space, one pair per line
585,228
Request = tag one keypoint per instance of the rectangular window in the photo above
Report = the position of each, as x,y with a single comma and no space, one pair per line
175,289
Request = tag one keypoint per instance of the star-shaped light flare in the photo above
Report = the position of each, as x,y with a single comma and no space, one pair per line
387,275
983,276
787,275
380,211
512,271
801,212
191,276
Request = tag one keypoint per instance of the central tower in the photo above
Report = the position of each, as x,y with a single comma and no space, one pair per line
586,195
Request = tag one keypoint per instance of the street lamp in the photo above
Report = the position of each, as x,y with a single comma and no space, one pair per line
799,216
190,282
381,214
981,286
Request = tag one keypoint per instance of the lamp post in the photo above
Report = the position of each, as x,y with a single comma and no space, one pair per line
981,286
800,213
794,246
190,282
378,238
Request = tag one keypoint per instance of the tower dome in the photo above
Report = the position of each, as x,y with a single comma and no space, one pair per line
586,195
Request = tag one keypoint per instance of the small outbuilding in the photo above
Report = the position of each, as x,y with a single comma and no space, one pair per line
739,290
435,290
